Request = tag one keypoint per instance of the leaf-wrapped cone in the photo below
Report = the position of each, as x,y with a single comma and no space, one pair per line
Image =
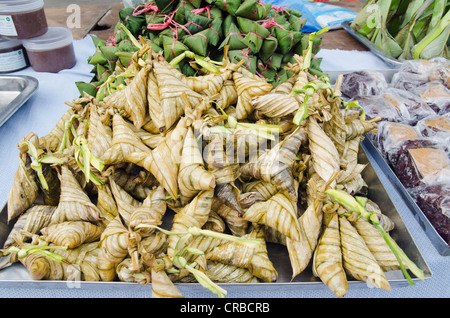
236,223
54,138
247,88
275,165
192,175
263,190
349,160
358,261
74,204
106,202
255,259
171,89
124,142
125,203
24,190
71,234
151,211
275,104
194,214
31,221
164,161
377,245
327,259
228,95
133,98
324,155
335,128
113,248
162,286
225,273
357,128
279,212
99,135
79,264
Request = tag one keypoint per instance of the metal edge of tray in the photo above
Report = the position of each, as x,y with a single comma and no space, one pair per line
436,239
346,25
16,275
29,84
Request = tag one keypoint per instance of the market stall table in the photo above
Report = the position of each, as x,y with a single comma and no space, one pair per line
40,113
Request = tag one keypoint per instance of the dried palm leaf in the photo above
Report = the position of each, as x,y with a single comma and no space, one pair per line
276,104
223,273
377,245
164,161
74,204
275,165
279,212
162,286
113,248
99,135
30,222
151,211
324,155
358,261
53,139
106,202
192,175
24,190
124,142
126,204
327,259
71,234
247,88
194,214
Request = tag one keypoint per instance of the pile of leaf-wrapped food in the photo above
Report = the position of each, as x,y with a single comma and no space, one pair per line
187,179
266,37
406,29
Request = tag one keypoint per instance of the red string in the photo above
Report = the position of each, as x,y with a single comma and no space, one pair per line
271,22
201,10
245,54
146,9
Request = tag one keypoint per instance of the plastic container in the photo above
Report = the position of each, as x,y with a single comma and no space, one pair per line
12,55
51,52
22,19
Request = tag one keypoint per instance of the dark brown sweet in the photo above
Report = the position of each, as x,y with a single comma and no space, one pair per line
434,201
53,60
29,24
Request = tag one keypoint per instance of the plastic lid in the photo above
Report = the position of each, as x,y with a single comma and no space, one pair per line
9,43
55,37
18,6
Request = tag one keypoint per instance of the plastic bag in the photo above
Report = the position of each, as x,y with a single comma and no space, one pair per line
318,15
390,137
363,83
435,126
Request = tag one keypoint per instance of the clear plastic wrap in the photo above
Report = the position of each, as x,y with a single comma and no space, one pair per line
434,201
435,94
437,126
363,83
422,162
390,136
411,107
376,106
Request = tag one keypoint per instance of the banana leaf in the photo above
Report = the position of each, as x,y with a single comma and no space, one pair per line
253,9
165,6
230,6
233,39
172,48
287,39
198,42
236,56
255,33
196,22
268,47
88,88
216,33
131,22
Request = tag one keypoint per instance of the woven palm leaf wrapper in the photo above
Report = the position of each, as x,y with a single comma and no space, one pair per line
172,178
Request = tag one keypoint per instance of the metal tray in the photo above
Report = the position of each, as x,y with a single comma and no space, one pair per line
16,276
15,90
389,60
436,239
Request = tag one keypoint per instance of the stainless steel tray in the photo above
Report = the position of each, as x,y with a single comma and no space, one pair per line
436,239
15,90
389,60
16,276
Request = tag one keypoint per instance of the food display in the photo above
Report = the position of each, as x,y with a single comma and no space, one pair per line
160,175
406,30
414,140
